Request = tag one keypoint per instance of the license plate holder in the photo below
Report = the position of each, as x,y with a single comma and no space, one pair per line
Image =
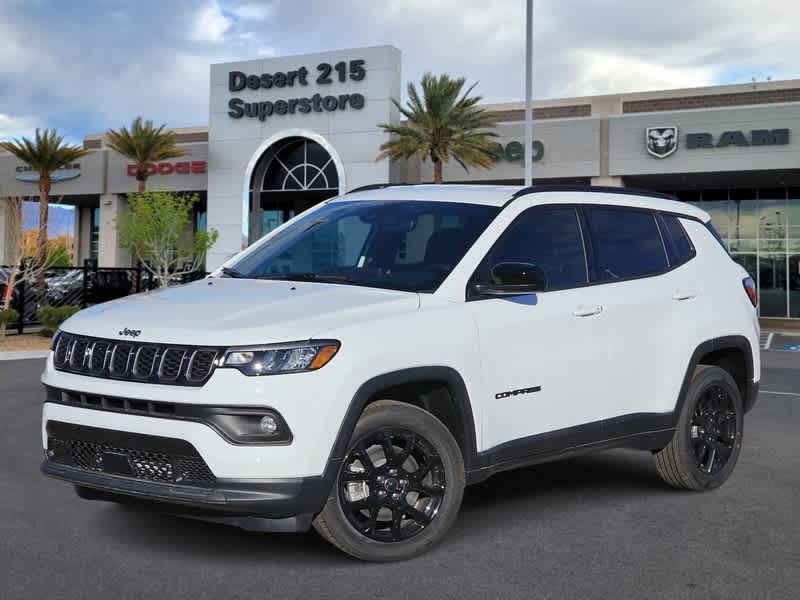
116,463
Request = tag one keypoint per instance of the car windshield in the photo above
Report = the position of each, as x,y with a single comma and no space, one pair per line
401,245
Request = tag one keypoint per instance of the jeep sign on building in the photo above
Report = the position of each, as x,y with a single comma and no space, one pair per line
286,133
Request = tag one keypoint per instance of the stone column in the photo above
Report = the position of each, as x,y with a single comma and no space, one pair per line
109,253
83,234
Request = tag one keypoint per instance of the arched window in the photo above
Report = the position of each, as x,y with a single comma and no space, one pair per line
291,176
299,164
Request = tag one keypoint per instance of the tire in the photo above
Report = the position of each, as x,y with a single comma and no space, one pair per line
423,484
708,438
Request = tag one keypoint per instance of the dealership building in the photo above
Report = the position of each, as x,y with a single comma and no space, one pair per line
286,133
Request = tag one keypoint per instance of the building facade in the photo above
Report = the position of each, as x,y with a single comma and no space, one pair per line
286,133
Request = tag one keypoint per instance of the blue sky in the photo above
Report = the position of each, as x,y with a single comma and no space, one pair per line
84,66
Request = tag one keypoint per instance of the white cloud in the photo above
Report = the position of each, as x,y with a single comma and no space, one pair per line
93,69
210,24
256,11
606,72
17,126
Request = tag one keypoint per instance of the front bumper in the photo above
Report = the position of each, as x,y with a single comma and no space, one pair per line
168,473
264,505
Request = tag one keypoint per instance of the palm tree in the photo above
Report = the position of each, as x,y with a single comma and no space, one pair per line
144,143
45,154
443,124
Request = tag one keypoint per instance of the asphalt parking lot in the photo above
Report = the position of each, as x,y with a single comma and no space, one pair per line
596,527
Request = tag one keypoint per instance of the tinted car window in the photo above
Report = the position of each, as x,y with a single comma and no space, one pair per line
395,244
549,238
679,248
627,243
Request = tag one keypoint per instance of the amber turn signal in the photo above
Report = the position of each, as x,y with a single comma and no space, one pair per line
324,355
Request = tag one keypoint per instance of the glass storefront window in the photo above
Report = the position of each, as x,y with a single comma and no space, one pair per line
200,220
94,240
761,228
772,285
744,214
735,245
794,285
772,220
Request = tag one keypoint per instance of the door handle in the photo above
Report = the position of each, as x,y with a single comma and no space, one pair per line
681,295
587,311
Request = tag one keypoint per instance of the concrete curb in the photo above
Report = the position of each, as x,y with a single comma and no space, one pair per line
22,355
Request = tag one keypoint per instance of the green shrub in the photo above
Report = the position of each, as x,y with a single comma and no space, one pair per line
8,315
51,317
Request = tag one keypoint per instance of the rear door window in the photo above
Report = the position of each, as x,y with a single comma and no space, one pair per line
626,243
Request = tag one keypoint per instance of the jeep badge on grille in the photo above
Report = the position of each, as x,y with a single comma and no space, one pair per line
134,333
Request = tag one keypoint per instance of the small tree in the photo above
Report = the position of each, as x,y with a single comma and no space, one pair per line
155,231
13,212
25,259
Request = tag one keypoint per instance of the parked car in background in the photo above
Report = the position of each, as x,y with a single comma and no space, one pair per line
64,287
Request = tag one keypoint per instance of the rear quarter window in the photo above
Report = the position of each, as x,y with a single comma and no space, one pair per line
676,241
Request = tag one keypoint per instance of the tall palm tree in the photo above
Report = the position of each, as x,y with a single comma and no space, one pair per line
443,124
144,143
45,154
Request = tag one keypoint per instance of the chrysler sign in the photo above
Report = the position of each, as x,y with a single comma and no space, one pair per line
65,173
662,142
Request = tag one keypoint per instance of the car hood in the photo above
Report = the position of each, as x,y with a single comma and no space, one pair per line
228,312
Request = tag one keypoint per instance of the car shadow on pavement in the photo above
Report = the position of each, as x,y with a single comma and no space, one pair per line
557,486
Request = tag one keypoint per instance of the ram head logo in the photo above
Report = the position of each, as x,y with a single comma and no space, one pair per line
661,141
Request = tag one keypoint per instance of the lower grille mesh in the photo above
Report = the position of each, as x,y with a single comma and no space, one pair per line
151,465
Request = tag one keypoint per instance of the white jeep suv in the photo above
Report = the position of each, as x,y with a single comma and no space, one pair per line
361,364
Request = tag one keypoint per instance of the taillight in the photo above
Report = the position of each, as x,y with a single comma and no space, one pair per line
750,290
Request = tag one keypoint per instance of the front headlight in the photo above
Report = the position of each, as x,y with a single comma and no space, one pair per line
273,359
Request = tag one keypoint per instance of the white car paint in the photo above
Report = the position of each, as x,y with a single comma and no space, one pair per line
628,358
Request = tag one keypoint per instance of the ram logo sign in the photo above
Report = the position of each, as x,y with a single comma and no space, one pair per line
661,141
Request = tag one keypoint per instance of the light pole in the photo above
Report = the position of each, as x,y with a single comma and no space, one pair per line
529,94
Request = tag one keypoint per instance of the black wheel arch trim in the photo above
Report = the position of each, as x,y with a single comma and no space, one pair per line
729,342
448,375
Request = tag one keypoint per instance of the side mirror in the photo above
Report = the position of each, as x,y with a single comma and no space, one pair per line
513,279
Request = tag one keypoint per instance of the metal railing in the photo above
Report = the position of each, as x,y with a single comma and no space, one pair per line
79,286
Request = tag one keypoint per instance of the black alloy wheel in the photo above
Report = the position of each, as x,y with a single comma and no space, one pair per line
708,435
713,431
392,485
399,488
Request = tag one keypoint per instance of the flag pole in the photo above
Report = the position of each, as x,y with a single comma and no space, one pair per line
529,94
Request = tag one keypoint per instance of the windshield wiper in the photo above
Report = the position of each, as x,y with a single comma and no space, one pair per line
321,277
232,272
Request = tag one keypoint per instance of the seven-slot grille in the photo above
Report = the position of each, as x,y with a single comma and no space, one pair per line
135,361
